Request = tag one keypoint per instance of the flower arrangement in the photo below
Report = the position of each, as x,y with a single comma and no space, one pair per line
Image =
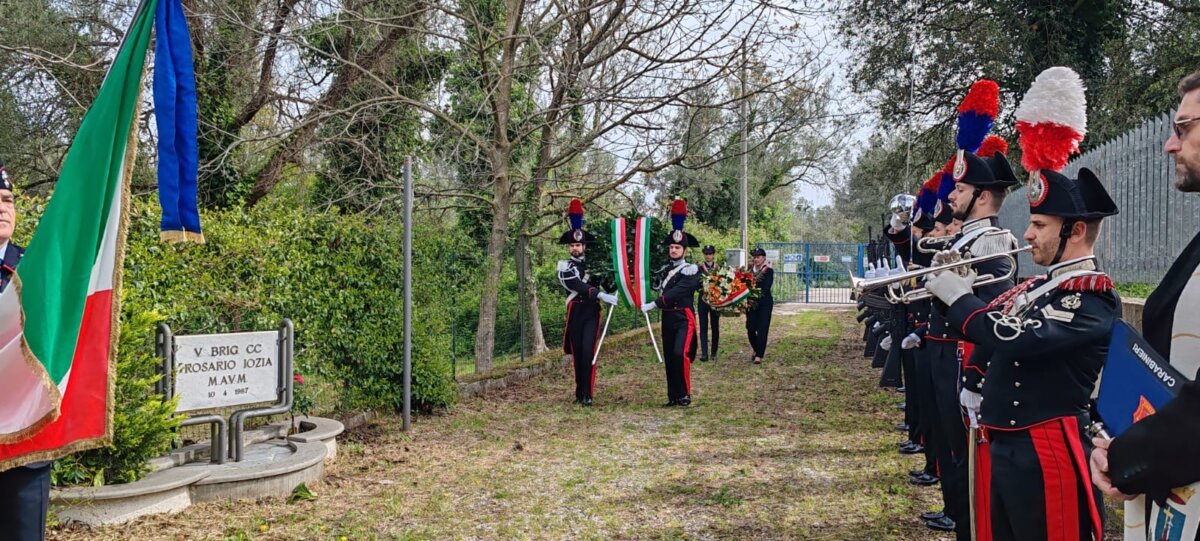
730,290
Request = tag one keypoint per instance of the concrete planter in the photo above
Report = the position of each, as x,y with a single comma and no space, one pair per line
274,465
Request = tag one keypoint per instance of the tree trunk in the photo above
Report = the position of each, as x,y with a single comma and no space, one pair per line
485,333
536,342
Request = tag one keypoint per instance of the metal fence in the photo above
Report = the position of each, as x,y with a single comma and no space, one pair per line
813,272
1156,221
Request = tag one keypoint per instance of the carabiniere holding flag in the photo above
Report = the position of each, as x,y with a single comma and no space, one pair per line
679,319
583,305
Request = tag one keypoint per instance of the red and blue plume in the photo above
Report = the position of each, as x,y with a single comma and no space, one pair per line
977,113
678,214
926,201
1052,120
991,145
946,182
575,214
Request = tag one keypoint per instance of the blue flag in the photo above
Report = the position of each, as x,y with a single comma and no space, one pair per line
1136,380
175,113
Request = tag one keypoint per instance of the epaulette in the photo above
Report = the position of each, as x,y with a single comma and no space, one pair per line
1094,283
689,269
564,265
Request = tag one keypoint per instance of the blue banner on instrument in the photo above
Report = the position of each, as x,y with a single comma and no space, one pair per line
1136,380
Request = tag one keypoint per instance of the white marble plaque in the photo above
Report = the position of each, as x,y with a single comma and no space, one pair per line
222,370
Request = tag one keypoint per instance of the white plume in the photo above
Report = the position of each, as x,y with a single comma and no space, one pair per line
1056,96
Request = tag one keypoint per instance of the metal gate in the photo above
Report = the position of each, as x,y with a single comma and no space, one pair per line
814,272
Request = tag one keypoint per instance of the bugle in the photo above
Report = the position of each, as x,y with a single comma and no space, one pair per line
898,295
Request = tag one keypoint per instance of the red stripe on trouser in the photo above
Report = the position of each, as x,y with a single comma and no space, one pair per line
595,346
687,346
1071,429
1058,482
567,331
983,492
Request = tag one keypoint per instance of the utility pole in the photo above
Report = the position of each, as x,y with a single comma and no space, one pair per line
745,162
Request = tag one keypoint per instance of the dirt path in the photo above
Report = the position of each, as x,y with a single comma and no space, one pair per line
800,447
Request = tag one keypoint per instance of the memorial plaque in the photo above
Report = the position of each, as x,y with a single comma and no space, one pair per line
222,370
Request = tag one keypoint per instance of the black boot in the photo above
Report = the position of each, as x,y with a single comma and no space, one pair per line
685,401
944,524
923,480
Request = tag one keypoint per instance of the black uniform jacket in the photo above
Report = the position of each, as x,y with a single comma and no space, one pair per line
678,291
8,266
1042,344
581,294
766,278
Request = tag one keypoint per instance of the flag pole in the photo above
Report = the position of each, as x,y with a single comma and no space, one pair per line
603,334
652,340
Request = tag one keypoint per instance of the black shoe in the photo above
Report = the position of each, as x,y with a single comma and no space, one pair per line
899,389
901,406
903,427
577,401
924,480
917,473
704,358
943,524
587,401
685,401
911,449
905,443
932,515
670,404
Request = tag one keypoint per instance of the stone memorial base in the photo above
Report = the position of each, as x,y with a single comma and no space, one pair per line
273,465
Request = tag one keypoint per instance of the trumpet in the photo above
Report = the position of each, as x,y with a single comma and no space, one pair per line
896,295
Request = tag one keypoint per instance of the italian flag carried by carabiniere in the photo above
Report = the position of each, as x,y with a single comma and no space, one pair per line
58,318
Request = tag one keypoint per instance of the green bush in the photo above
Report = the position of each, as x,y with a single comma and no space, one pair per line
143,424
339,278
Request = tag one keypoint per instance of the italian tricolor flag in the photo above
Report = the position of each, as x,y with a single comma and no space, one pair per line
633,277
58,318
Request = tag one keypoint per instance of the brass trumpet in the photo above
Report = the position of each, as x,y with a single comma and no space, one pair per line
896,295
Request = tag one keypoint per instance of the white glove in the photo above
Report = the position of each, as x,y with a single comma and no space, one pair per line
949,286
910,341
886,343
897,225
876,325
607,297
649,306
970,400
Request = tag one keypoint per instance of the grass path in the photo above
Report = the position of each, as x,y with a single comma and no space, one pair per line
800,447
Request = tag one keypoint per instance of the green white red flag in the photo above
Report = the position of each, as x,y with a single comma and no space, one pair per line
632,276
58,318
